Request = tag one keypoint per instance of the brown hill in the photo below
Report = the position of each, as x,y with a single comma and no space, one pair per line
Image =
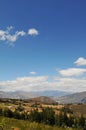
43,99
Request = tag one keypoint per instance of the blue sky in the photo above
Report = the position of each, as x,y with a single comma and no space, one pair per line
43,45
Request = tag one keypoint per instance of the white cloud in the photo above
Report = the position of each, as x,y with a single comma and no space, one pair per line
33,72
24,83
71,84
33,79
72,72
80,61
42,83
33,32
2,35
8,36
13,38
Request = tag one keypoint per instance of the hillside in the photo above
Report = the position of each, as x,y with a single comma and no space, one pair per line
73,98
15,124
43,99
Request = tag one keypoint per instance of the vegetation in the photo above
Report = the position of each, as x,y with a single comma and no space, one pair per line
14,124
48,117
39,117
67,110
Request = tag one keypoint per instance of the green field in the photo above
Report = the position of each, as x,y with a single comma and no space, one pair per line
14,124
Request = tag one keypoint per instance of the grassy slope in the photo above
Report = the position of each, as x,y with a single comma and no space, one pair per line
26,125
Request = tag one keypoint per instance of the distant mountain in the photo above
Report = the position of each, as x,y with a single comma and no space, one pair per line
73,98
17,95
27,95
59,96
83,100
51,93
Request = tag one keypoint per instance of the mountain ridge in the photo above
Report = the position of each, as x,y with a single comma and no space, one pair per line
79,97
27,95
60,97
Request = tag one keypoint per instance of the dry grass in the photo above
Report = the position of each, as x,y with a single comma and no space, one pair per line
78,109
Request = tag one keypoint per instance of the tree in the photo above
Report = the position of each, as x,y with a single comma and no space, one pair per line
8,113
48,116
20,108
71,121
62,120
17,115
81,122
24,116
1,112
59,119
35,116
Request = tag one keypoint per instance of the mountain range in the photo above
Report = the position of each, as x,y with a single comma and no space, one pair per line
26,95
58,96
72,98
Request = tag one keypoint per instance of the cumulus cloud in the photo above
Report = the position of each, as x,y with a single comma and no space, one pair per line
24,83
33,79
80,61
71,84
72,72
33,32
8,36
43,83
33,72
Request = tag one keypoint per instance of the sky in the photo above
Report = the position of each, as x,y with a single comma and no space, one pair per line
43,45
